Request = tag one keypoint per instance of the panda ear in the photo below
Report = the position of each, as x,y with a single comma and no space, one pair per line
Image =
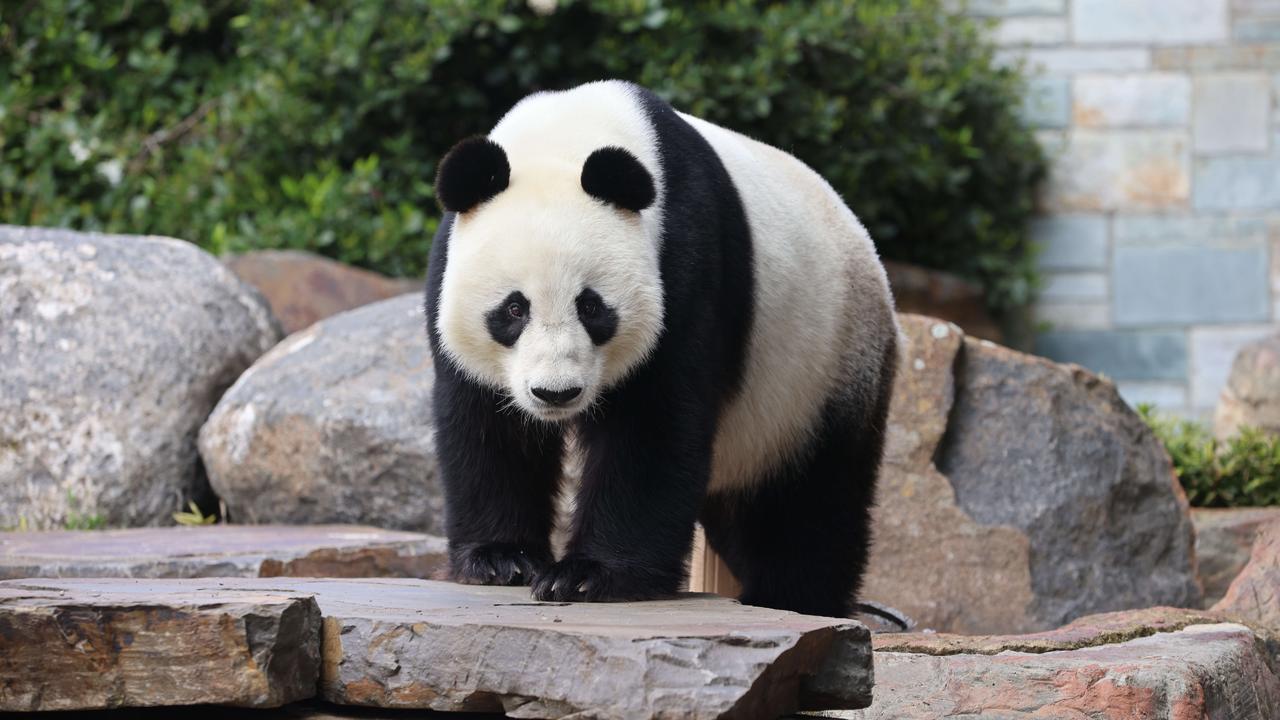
474,171
615,176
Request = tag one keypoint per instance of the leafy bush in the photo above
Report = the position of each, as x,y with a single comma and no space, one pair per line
285,123
1242,471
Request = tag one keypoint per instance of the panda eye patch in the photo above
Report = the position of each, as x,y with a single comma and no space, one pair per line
600,320
508,319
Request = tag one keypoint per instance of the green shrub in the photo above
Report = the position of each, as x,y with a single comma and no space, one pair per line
285,123
1241,471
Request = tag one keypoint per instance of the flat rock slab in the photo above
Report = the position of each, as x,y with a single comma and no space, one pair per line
1195,673
76,644
441,646
222,551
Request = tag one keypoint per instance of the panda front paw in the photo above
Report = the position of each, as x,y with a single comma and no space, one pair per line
496,563
582,579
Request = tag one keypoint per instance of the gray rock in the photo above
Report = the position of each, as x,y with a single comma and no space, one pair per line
222,551
333,426
1252,395
442,646
95,644
114,349
423,644
1019,494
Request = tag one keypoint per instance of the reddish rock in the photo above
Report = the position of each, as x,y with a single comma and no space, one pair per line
1254,596
1224,542
222,551
1018,494
1196,672
303,288
923,291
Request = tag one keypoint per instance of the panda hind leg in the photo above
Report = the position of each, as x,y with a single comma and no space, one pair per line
798,539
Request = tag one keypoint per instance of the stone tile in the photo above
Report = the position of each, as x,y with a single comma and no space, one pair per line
1256,29
1074,287
1275,99
1007,8
1256,6
1120,354
1031,31
1158,22
1231,113
1238,181
1160,285
1065,61
1047,102
1159,394
1190,230
1212,352
1131,100
1218,57
1071,242
1072,316
1121,169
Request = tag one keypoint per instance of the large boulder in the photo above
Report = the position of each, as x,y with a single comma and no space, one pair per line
1252,395
333,426
114,349
303,288
1019,494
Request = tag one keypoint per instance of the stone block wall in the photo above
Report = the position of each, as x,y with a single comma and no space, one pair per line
1160,230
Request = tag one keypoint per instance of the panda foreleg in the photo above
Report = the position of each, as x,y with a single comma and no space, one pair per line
645,472
500,476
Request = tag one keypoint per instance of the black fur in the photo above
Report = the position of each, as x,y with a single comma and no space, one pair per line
508,319
474,171
797,541
599,320
615,176
500,474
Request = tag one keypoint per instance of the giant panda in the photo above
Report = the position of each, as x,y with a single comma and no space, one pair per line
695,313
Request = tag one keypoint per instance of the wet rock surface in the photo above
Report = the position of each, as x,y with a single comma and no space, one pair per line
333,426
114,348
69,645
1019,494
430,645
222,551
303,288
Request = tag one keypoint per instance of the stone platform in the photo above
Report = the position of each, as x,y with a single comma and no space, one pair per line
263,642
222,551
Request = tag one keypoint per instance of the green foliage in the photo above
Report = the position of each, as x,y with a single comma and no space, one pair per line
1241,471
75,519
287,123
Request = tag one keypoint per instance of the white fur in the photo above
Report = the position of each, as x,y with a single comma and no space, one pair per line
822,310
546,238
823,316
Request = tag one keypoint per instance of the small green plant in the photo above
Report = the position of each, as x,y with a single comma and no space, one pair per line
1241,471
77,520
194,517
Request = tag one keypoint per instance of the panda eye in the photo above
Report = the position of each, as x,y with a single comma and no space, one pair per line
515,311
590,308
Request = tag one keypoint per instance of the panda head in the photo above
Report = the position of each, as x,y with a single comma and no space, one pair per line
551,291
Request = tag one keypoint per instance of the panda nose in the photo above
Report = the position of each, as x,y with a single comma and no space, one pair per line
556,397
